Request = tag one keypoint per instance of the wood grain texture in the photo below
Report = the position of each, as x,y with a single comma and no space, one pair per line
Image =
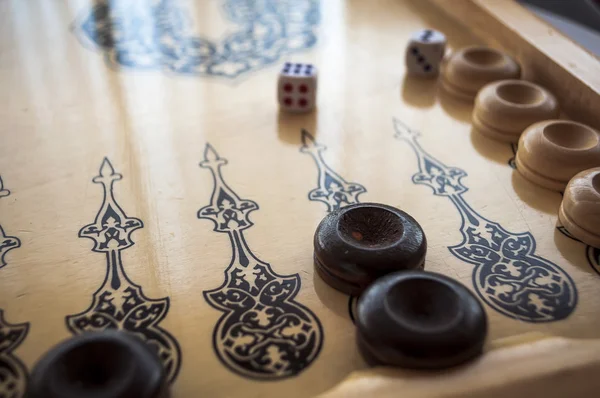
548,57
69,103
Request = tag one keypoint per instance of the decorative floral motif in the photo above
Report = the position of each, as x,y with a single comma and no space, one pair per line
13,374
592,253
331,189
158,34
263,332
508,275
119,303
7,243
593,256
3,192
511,161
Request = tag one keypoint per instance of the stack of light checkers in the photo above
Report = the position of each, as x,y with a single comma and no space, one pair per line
550,151
405,316
560,155
563,155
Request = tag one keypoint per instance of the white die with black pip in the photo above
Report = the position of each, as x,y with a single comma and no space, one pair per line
297,87
424,53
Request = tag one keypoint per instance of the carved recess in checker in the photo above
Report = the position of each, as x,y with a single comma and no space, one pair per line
119,303
13,373
263,332
158,35
332,189
507,273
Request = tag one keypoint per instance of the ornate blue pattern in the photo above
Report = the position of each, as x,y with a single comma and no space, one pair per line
7,243
511,161
119,303
331,188
13,374
508,275
592,253
157,34
264,333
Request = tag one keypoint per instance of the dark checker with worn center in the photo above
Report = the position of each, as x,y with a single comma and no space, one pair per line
359,243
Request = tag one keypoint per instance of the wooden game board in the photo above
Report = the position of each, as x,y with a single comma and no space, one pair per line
151,128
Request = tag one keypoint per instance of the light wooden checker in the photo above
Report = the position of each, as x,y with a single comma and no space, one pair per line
67,106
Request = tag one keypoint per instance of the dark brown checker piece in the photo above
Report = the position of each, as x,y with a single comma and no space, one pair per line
359,243
108,364
418,319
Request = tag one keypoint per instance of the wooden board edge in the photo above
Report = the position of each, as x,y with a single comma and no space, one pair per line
550,367
547,56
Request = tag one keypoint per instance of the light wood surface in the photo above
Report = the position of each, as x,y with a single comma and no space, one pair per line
67,107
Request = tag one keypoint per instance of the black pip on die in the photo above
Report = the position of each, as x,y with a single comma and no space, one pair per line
297,87
425,52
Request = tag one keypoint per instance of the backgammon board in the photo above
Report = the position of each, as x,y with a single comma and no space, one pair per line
150,184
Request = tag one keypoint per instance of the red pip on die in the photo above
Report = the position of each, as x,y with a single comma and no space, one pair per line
297,87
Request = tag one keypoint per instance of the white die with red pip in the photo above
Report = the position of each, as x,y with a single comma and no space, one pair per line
297,87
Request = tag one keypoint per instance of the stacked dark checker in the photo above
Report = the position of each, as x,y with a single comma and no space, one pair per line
405,316
358,244
108,364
